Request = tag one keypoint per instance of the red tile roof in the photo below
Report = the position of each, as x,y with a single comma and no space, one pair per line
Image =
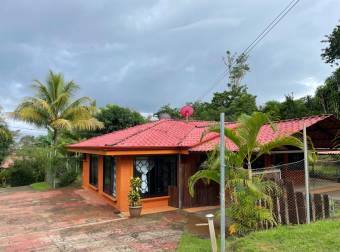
176,134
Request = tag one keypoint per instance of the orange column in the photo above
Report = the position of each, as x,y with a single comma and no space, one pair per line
100,173
86,170
124,174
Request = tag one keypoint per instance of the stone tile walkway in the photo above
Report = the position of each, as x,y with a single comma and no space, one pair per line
77,220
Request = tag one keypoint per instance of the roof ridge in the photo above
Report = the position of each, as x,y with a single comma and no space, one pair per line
230,122
113,132
302,118
138,132
190,121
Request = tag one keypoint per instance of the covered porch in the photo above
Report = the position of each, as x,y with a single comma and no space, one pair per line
164,176
109,176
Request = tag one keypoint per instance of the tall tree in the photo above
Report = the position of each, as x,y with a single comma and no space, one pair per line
168,110
115,118
329,94
331,54
292,108
237,67
234,102
205,111
273,109
6,138
54,109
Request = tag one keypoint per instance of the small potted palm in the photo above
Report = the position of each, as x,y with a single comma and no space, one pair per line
135,206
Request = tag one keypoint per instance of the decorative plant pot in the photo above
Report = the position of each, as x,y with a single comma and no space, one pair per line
135,211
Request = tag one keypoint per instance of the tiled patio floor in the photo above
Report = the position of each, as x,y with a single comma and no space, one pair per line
76,220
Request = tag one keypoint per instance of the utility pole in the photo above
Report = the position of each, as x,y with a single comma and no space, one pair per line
305,152
222,182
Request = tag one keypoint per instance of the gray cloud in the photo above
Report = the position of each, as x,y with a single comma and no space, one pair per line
143,54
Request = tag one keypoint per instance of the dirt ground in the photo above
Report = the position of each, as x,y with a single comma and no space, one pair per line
74,219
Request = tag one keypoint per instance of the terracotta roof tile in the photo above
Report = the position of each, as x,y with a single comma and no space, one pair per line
169,133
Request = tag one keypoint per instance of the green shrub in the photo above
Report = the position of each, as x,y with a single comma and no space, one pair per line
245,214
4,177
63,170
37,164
21,174
67,177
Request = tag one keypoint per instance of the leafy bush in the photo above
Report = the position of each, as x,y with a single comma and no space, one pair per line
245,214
35,159
21,174
29,167
37,164
67,177
4,177
6,139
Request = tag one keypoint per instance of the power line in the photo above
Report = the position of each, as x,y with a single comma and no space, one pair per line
215,83
254,43
272,26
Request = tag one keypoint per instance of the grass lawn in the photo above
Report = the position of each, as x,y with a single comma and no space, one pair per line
190,242
328,170
319,236
41,186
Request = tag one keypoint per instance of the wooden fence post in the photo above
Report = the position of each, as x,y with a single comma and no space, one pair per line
282,204
311,208
318,206
292,208
326,205
300,200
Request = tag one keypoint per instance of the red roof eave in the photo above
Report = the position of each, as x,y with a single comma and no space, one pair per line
129,148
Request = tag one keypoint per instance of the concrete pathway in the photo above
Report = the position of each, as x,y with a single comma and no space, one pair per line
77,220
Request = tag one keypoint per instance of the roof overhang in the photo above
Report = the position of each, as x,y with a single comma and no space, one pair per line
128,151
328,152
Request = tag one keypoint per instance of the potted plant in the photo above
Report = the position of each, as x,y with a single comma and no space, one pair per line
135,206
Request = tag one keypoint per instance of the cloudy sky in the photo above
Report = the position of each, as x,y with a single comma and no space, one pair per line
144,54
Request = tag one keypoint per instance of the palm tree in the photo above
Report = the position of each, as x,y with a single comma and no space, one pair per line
246,138
242,194
53,108
243,191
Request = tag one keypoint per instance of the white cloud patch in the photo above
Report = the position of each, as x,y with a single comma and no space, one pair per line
310,84
22,128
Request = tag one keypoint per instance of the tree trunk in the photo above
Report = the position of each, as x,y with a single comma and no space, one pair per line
54,137
52,172
250,172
